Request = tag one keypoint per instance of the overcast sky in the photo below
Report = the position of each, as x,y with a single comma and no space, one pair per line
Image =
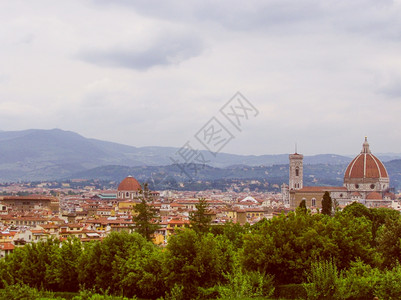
322,74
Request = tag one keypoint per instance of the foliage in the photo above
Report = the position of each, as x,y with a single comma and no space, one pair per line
92,295
145,217
377,216
194,261
33,259
62,272
140,272
125,263
242,284
302,206
389,243
22,292
388,286
358,282
176,293
332,257
234,232
200,220
327,204
323,280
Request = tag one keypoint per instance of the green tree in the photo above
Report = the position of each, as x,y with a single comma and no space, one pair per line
62,272
140,271
388,286
389,243
23,292
243,284
377,216
285,246
145,218
323,280
98,266
302,206
200,220
196,261
327,204
359,282
31,263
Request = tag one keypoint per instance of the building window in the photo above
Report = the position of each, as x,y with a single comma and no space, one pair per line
127,194
296,171
357,186
372,186
313,202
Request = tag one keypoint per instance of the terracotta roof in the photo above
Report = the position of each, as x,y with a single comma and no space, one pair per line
129,184
322,188
6,246
374,196
30,197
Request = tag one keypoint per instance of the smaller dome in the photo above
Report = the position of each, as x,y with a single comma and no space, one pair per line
374,196
129,184
390,195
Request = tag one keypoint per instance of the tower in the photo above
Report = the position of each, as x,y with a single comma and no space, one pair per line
296,171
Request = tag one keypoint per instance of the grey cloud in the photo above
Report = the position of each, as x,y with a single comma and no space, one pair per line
392,90
165,51
368,17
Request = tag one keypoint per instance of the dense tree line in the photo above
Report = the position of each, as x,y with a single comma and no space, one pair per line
328,256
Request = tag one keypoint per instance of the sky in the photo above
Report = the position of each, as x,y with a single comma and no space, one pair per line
319,74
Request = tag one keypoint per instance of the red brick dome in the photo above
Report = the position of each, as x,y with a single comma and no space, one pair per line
374,196
129,184
365,165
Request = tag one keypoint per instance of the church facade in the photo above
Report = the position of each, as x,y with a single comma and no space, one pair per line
365,180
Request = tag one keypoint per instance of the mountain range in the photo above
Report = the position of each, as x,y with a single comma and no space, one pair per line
35,154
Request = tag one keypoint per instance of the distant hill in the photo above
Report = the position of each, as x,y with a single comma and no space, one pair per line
169,177
52,154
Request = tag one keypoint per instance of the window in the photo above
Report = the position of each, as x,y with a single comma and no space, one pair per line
372,186
313,201
126,194
296,171
357,186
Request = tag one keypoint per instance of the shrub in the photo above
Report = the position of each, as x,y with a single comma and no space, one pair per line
323,280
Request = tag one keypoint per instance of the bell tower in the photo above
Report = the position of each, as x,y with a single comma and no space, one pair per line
296,171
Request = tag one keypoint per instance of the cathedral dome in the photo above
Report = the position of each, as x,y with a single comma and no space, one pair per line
366,173
365,165
129,184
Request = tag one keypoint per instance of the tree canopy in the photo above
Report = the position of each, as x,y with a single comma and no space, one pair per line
353,254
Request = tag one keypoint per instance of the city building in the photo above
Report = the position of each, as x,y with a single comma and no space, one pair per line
365,180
